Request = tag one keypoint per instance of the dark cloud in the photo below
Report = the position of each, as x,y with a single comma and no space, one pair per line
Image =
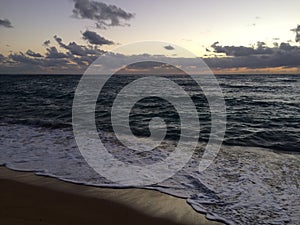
260,49
46,43
55,62
287,47
33,54
169,47
59,41
95,39
44,62
72,47
297,31
104,15
22,58
20,63
53,53
78,50
5,23
94,50
75,59
283,56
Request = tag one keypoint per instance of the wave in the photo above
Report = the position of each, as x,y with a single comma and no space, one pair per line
244,185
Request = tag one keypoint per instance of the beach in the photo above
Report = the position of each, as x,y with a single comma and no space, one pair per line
30,199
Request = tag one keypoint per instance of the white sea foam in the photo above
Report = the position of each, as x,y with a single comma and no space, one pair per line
245,185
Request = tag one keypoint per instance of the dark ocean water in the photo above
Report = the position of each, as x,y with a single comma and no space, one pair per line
254,180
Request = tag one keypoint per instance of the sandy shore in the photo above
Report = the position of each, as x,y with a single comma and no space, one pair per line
27,199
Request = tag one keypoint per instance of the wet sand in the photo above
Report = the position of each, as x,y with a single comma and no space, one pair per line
28,199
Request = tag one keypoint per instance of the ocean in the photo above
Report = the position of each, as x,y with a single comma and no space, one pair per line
254,179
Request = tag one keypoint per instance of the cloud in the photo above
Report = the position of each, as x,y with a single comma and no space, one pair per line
75,60
20,63
283,56
104,15
59,41
44,62
76,49
23,59
169,47
259,56
46,43
5,23
94,38
53,53
242,50
72,47
79,50
287,47
297,31
33,54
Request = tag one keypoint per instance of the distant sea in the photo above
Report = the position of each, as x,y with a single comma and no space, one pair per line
254,180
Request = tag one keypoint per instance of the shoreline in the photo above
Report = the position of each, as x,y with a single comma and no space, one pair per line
27,198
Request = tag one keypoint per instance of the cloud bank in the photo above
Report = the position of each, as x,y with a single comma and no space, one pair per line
261,49
75,58
67,58
259,56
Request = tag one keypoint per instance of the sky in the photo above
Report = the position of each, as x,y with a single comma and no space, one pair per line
65,36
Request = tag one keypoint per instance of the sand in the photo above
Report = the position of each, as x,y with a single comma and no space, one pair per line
28,199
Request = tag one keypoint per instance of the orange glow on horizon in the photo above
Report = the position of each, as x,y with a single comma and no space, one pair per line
270,70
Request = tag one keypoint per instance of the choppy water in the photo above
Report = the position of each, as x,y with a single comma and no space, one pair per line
254,180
